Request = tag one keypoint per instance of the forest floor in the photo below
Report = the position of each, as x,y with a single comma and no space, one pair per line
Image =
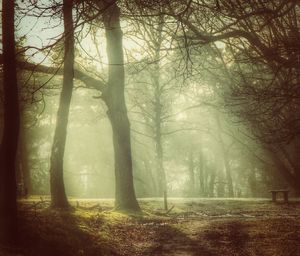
206,227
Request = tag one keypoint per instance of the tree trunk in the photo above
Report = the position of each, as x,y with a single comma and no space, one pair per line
252,181
225,159
125,198
228,174
211,190
201,175
9,144
162,181
57,188
148,169
161,173
191,175
24,163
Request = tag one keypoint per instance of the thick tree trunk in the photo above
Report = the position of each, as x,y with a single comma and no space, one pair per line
57,188
9,144
117,112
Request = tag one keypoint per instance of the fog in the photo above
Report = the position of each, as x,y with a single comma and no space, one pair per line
182,124
204,118
167,127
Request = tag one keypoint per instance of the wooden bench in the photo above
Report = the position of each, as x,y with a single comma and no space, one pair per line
285,193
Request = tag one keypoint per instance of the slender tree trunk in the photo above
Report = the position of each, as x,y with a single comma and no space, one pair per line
201,175
161,173
205,181
228,173
24,162
148,169
252,181
211,190
57,188
191,175
225,159
9,144
125,198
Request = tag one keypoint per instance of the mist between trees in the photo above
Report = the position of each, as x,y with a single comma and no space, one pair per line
140,99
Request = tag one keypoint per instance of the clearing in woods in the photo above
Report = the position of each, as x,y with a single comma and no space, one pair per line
203,227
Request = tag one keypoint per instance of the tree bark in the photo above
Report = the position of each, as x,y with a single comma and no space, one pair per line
9,144
125,198
57,188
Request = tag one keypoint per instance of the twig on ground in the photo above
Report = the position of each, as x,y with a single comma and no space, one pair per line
168,211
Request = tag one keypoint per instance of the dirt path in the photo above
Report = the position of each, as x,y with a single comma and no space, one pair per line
214,237
215,228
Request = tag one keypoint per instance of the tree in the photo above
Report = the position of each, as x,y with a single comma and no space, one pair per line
225,157
154,83
154,109
263,68
114,98
58,194
9,143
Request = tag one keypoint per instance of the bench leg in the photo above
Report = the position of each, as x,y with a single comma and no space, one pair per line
274,196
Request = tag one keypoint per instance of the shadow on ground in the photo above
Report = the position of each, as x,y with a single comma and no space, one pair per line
172,241
202,242
198,229
60,233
